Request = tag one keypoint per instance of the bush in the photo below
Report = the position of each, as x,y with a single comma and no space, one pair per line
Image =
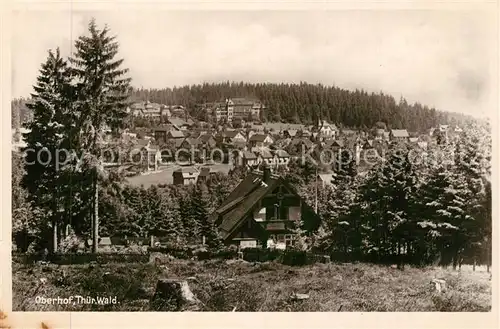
261,255
297,258
83,258
173,250
71,243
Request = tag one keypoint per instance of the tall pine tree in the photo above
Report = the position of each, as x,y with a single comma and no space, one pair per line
102,100
46,137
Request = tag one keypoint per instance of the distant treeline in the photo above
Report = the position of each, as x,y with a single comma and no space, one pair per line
294,103
306,103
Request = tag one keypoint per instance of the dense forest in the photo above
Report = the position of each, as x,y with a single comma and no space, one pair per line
295,103
306,103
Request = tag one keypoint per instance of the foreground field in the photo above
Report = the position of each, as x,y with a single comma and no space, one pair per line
242,286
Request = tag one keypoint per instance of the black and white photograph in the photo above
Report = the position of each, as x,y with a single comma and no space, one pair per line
252,160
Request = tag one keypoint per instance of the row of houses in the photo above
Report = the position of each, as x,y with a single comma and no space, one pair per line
148,109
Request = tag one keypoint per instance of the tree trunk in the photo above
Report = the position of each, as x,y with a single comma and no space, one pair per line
95,217
489,246
399,255
474,264
54,236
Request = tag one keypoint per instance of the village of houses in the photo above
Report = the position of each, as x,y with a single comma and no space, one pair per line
182,150
178,149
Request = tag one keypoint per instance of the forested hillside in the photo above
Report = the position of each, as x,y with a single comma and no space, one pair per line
305,103
295,103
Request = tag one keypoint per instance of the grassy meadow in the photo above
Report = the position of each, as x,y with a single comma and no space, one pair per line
241,286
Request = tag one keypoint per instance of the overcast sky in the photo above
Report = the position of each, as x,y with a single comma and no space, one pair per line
445,59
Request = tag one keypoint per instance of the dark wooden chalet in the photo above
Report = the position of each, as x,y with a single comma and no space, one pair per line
263,209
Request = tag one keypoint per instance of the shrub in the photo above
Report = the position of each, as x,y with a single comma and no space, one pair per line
296,258
180,252
261,255
70,243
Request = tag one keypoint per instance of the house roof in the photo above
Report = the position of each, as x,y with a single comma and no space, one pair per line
334,143
399,133
238,143
413,139
165,127
265,154
249,155
205,137
278,126
348,132
242,101
230,133
326,178
176,134
298,141
205,171
177,122
187,170
137,106
282,154
242,200
192,141
258,137
143,142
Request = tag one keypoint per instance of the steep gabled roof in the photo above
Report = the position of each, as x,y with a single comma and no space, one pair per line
265,154
249,155
243,199
176,133
297,141
400,133
192,141
258,137
240,201
177,122
334,143
282,154
187,170
205,138
230,133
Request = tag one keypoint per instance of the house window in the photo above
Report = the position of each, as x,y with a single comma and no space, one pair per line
289,239
270,212
283,211
281,238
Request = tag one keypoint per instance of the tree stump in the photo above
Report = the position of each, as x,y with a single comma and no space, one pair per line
299,297
439,284
173,295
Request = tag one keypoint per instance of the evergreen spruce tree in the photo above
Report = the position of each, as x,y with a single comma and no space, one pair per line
102,100
44,179
200,203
